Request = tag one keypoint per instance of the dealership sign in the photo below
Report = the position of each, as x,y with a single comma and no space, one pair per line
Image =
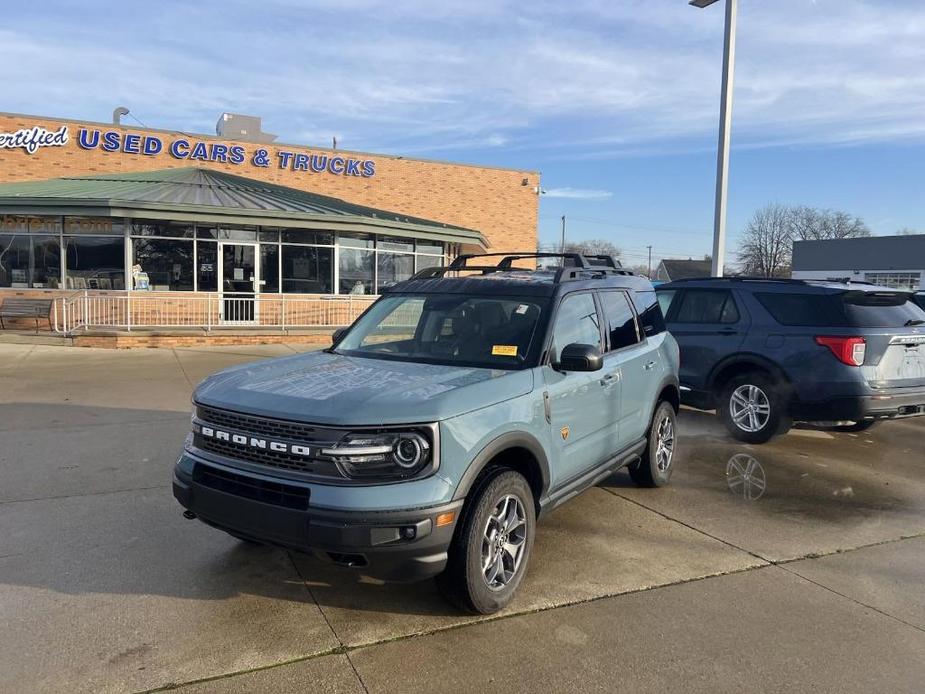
190,149
30,139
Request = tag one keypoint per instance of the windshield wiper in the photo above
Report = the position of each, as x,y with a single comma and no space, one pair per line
914,321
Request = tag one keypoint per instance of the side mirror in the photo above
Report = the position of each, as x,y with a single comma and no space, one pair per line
579,357
337,335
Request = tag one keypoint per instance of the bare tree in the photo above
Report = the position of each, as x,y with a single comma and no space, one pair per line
812,224
765,248
908,231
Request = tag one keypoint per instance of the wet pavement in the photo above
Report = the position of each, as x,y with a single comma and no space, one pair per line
793,565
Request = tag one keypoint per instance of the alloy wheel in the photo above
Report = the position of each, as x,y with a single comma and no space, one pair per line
749,408
503,542
664,447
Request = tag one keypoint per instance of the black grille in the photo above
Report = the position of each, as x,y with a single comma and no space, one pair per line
281,461
282,431
252,488
259,425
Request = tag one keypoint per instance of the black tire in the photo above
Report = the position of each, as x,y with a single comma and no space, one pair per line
863,425
773,422
653,470
463,582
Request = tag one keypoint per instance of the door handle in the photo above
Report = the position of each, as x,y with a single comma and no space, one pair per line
607,379
649,365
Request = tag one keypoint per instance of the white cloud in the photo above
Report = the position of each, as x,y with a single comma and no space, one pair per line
578,193
585,79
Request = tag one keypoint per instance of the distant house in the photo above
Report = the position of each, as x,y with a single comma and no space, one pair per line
893,261
670,270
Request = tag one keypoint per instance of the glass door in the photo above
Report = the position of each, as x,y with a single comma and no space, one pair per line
238,280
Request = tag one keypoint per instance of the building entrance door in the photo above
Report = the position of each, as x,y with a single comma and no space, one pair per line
238,279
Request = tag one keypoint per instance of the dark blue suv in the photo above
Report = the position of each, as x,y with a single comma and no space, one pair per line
766,352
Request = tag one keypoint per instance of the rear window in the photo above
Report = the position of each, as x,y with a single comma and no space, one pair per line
844,310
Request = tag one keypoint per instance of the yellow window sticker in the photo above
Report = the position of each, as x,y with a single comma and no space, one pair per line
504,350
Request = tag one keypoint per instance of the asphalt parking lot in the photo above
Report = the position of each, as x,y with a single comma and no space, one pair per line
794,565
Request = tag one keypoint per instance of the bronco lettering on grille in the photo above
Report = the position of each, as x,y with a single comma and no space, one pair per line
252,442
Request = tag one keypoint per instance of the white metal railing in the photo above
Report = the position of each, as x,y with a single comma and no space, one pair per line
130,310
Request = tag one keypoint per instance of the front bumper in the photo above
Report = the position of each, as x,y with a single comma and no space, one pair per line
394,545
857,408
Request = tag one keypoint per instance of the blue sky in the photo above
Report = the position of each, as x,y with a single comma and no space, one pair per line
614,102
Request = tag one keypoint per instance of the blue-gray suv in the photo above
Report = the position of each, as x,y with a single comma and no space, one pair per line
462,405
765,352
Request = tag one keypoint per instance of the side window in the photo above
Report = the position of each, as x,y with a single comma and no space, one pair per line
621,322
576,321
707,306
651,313
665,298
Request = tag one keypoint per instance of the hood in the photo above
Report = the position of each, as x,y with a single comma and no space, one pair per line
323,388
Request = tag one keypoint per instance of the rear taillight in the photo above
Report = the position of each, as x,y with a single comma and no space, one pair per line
848,350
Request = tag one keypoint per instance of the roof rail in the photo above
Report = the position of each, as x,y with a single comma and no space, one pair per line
783,280
574,265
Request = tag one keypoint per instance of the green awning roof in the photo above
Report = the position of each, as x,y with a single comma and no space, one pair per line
204,195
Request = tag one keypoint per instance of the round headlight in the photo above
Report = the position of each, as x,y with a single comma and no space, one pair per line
410,450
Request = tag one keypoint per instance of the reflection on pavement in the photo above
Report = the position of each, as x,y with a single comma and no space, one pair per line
745,477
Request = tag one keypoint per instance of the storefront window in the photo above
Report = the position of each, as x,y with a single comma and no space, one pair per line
269,267
356,240
390,243
93,225
30,261
317,238
357,271
95,262
178,230
231,233
207,265
430,247
167,262
308,270
392,268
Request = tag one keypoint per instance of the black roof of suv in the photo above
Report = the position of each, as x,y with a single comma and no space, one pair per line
576,272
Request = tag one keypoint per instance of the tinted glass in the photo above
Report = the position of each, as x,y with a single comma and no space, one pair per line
447,329
842,310
169,263
308,270
393,268
356,240
207,265
620,320
431,247
576,321
171,229
707,306
269,267
651,316
357,271
665,298
323,238
30,261
95,262
391,243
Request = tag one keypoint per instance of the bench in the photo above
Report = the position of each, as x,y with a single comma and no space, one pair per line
26,308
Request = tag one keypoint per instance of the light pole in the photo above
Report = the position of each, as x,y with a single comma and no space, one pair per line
725,123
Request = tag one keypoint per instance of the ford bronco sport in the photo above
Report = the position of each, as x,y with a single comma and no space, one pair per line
463,404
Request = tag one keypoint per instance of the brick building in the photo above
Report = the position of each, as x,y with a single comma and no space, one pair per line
105,209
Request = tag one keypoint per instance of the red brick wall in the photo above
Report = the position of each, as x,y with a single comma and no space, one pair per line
492,201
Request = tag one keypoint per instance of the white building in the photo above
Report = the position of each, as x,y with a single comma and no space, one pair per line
892,261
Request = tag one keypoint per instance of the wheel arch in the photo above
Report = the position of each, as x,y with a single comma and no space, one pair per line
743,363
516,450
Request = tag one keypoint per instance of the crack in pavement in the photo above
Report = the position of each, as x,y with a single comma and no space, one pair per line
84,494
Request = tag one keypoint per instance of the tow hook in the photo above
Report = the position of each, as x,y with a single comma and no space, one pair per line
189,515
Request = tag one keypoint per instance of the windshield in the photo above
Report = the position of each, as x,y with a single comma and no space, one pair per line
451,329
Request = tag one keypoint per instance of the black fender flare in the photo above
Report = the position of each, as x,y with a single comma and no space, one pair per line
513,439
747,359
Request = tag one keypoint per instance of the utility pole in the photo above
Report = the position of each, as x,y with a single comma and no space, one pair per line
649,266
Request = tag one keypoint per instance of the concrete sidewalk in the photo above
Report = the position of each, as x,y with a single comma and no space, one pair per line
769,568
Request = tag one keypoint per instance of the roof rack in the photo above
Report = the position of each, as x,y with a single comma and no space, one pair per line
574,265
783,280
